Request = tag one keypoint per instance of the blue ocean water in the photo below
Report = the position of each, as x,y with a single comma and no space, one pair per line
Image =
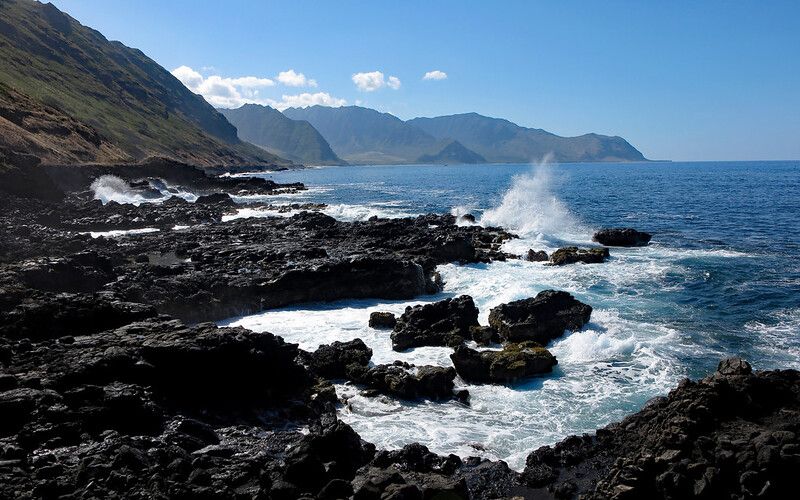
721,277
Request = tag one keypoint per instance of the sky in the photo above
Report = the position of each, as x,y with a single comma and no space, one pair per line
680,80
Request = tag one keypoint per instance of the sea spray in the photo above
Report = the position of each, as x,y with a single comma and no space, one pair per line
108,188
112,188
530,208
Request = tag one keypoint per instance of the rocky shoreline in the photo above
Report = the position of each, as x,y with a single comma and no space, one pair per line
112,384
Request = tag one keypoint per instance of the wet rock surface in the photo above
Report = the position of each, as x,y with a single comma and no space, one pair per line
514,362
572,255
622,237
443,323
539,319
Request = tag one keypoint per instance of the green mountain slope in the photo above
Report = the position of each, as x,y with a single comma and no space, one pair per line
125,98
500,141
363,135
296,140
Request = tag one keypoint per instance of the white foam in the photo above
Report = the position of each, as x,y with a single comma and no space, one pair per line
350,213
777,338
247,213
108,188
116,233
605,370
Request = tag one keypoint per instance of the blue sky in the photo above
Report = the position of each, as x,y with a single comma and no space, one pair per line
709,80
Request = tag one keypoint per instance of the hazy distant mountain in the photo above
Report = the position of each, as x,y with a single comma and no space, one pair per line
67,94
363,135
453,152
502,141
296,140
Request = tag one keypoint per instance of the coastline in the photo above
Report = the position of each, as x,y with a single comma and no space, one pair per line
109,396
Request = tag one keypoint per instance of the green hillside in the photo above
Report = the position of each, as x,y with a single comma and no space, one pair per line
125,97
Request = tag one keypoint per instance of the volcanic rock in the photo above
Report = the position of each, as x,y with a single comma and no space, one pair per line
379,319
332,360
571,255
512,363
541,318
405,381
534,256
443,323
621,237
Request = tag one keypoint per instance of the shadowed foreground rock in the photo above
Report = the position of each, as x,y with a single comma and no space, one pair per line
622,237
734,434
541,318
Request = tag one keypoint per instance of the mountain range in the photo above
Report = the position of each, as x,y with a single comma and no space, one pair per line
501,141
363,135
268,128
366,136
67,94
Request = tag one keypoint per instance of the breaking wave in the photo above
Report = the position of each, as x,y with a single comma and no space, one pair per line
530,208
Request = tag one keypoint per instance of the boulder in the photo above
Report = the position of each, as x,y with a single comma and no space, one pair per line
571,255
621,237
541,318
331,360
466,218
378,319
443,323
534,256
215,199
512,363
405,381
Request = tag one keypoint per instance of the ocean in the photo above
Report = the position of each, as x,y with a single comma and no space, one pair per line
721,277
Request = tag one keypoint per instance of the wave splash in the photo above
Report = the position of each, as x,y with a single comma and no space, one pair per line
108,188
530,208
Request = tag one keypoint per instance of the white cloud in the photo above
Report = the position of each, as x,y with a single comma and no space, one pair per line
223,92
307,99
435,75
189,77
291,78
373,80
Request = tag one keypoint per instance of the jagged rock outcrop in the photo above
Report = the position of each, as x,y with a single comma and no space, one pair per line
541,318
733,434
622,237
332,360
443,323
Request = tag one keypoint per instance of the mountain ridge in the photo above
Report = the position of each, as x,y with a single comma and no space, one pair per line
268,128
501,141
